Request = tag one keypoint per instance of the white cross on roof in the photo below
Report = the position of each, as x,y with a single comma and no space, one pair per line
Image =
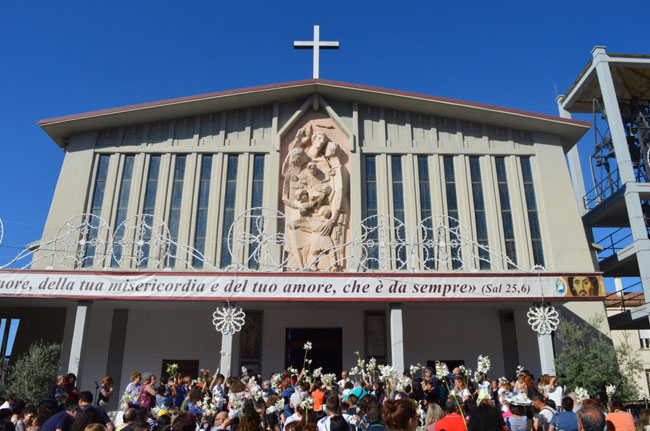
316,45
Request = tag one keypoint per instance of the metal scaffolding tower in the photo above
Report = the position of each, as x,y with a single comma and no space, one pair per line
615,89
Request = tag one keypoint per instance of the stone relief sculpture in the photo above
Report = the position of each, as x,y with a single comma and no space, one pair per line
315,196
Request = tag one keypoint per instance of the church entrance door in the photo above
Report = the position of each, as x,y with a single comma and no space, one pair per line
326,352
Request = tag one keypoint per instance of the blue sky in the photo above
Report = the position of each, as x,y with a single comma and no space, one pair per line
61,58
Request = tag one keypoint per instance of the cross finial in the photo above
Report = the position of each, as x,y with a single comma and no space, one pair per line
316,45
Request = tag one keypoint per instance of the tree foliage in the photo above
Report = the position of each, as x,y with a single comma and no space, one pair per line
34,372
590,360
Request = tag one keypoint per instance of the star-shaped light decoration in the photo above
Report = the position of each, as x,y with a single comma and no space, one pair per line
543,319
228,320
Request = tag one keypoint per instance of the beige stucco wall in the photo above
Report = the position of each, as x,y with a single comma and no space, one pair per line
378,131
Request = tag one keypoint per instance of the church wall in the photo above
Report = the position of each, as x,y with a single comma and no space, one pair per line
432,332
378,131
527,344
563,233
97,337
164,331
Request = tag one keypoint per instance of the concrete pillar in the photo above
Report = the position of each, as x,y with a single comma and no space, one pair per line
625,167
226,359
77,346
116,344
546,357
397,337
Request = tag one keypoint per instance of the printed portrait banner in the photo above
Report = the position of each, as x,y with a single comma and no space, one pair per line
297,286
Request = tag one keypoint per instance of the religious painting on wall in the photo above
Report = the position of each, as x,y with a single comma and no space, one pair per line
314,186
251,341
580,285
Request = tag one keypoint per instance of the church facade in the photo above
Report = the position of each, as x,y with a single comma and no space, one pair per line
406,227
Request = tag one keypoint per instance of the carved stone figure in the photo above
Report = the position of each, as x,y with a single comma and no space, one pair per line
315,198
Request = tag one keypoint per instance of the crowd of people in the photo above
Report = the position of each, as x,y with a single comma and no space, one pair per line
374,398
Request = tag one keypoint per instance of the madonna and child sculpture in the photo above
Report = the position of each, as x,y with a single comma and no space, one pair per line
315,196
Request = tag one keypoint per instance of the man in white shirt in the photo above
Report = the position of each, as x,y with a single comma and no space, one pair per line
333,408
344,379
295,417
543,418
298,395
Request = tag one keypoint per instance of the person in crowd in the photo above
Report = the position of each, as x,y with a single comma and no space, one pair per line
27,418
85,403
453,421
147,398
60,392
296,416
318,395
544,413
133,388
129,418
517,420
590,418
95,427
343,381
299,394
461,390
184,422
221,421
618,419
338,423
10,402
374,415
565,420
434,414
163,398
62,421
333,408
105,391
486,417
71,387
399,415
86,417
43,413
643,421
554,391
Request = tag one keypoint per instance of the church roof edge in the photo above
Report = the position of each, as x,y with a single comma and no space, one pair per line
60,128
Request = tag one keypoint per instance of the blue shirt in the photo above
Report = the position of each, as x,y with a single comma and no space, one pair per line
565,421
101,411
178,399
61,420
287,394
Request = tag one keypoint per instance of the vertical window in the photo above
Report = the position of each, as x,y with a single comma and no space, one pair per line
425,208
256,204
371,209
150,192
96,209
506,211
479,212
452,210
175,210
398,204
202,211
229,209
531,205
122,206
